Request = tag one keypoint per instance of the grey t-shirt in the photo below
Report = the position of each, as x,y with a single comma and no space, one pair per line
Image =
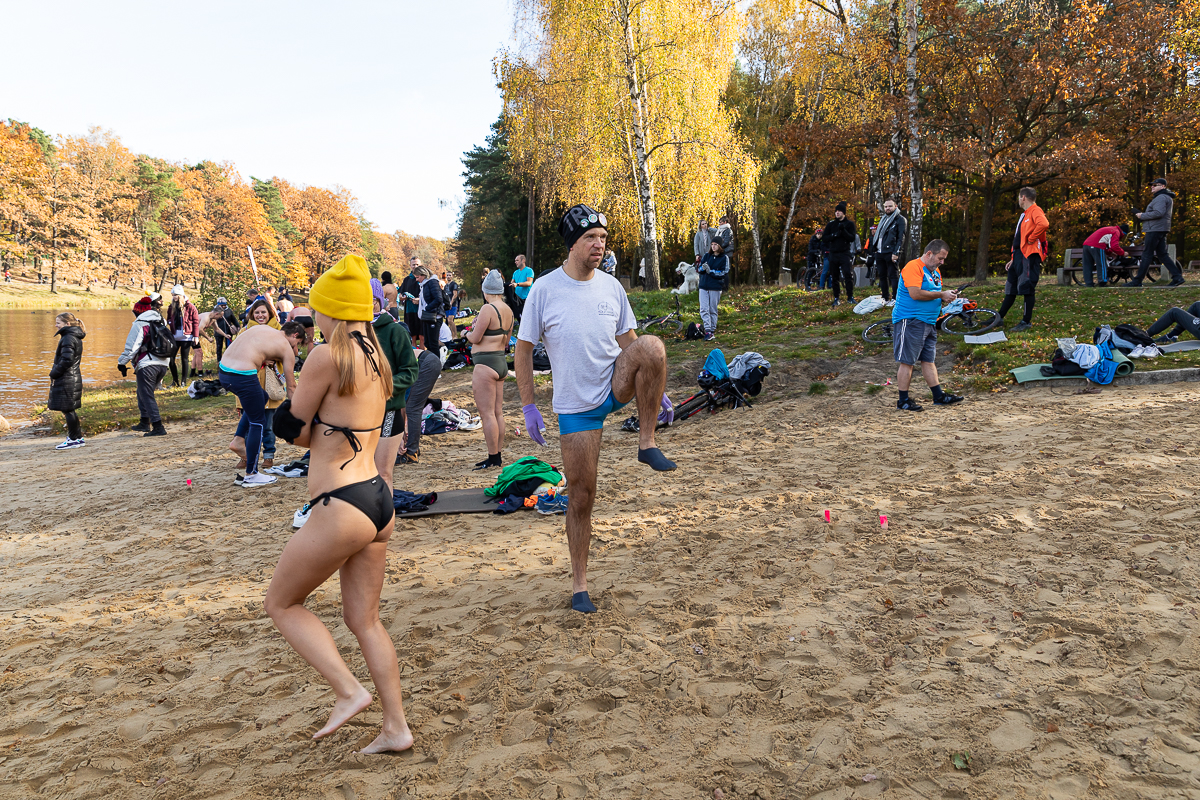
579,322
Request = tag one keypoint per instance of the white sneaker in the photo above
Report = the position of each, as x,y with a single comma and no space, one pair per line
301,516
257,479
70,444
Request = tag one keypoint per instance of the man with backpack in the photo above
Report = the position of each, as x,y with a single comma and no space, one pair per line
1156,223
149,346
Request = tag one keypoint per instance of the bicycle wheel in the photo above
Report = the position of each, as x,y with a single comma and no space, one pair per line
879,333
690,407
667,324
980,320
1154,273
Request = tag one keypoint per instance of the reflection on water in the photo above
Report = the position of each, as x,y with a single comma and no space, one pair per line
27,344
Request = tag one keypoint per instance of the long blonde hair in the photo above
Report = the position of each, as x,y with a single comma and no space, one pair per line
68,318
342,348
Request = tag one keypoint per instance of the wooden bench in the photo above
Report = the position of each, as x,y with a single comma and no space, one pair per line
1070,257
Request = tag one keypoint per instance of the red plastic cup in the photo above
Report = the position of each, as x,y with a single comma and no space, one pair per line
189,483
827,515
883,521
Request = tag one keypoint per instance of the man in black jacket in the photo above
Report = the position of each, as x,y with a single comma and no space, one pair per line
888,244
839,237
816,259
433,311
410,286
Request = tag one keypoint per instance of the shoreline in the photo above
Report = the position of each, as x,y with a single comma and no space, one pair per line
21,295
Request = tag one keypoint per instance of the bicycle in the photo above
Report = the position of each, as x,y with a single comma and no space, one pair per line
668,323
961,318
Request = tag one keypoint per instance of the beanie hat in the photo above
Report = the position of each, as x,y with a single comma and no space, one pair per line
493,283
179,290
344,291
377,292
579,220
141,306
841,207
154,297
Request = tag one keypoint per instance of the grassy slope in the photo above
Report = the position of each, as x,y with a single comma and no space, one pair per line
784,323
19,294
110,407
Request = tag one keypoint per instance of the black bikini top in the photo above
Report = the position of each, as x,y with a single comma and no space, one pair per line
351,433
496,331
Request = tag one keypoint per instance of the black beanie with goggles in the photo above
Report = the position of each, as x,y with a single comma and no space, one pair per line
579,220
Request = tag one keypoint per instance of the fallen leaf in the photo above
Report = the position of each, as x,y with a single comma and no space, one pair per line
1051,728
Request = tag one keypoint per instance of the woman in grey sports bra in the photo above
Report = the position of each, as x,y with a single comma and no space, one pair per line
489,337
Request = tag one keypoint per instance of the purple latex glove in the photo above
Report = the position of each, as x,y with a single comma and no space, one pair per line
667,415
534,423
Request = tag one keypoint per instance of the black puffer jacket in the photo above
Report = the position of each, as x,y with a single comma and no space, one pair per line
66,382
839,235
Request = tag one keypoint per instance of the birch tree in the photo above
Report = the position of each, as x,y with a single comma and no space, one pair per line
619,103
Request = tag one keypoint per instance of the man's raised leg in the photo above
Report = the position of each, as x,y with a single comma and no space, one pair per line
641,372
580,454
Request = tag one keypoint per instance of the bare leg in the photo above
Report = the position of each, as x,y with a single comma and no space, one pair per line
332,534
486,384
580,454
929,371
904,377
387,449
499,414
641,371
362,583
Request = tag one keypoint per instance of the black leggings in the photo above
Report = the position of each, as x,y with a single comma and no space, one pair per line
1009,299
840,266
1184,321
183,351
888,276
73,429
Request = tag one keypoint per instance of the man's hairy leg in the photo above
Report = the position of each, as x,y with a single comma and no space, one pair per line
641,372
580,454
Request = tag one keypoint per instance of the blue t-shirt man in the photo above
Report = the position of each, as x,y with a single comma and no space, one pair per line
521,275
918,276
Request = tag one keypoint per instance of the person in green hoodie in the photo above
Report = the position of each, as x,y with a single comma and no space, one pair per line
397,346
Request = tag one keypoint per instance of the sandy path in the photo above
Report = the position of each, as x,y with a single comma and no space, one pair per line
1034,603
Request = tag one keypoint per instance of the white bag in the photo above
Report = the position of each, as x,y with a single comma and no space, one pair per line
869,304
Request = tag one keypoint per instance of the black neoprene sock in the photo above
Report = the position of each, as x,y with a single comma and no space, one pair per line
1029,300
937,391
903,397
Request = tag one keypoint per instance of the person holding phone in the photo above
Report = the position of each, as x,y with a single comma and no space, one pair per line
919,298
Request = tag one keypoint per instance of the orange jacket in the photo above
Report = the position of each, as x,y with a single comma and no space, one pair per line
1033,232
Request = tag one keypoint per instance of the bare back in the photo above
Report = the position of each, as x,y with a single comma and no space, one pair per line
495,343
257,344
361,411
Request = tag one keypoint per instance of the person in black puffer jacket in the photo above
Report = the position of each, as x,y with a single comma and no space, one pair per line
66,381
433,310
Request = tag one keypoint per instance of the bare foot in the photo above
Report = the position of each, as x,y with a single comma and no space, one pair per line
344,710
389,742
238,446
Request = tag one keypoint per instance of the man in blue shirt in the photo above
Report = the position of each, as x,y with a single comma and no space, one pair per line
522,279
919,298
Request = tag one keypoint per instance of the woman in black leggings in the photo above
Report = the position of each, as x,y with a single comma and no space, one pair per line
1183,320
66,381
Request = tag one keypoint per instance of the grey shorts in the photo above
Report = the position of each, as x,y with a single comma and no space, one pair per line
914,341
389,428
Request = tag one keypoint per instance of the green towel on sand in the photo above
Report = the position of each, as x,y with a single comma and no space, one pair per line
522,469
1033,372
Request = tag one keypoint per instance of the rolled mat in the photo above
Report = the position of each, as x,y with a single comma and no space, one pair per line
456,501
1033,372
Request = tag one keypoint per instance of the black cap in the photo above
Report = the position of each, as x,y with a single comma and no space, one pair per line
841,207
1159,182
579,220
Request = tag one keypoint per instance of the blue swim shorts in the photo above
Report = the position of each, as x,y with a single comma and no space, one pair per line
589,420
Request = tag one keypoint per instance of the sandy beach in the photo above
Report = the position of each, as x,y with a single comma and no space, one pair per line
1025,627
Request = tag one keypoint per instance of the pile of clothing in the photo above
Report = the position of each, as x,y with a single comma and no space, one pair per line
1092,361
202,388
443,417
1130,340
518,485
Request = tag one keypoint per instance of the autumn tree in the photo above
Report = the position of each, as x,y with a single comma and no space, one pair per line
619,103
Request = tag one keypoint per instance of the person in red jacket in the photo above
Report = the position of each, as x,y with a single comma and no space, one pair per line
1028,252
1096,250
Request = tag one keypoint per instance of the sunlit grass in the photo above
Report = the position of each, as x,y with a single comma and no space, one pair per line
107,408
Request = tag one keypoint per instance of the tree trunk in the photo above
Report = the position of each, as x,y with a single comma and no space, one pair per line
916,196
787,225
645,182
985,230
756,268
529,230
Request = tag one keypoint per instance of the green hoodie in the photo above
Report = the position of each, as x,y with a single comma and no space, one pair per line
397,346
519,470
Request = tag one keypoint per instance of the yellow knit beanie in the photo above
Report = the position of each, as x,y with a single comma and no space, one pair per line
344,291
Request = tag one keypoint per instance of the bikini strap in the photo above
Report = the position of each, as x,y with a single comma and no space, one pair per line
367,348
350,434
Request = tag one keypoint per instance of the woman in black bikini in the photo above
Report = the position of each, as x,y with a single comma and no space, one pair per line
489,337
345,388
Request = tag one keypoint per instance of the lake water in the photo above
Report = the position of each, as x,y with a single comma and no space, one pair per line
27,344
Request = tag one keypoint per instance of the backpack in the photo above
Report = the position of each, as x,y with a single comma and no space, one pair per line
158,341
541,361
694,331
1133,334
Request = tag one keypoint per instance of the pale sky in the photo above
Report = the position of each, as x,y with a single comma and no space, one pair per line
380,97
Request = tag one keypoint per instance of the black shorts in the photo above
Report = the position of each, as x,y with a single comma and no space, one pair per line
389,428
1024,280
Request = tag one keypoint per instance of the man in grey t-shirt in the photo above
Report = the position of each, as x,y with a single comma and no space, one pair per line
598,364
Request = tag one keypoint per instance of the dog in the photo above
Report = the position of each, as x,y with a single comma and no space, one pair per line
691,278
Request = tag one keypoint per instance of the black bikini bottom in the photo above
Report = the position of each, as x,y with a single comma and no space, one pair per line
371,497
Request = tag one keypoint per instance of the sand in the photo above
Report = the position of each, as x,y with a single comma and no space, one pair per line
1030,612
